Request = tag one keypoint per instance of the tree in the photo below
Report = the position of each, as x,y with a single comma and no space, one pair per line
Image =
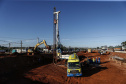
110,46
62,47
123,43
97,47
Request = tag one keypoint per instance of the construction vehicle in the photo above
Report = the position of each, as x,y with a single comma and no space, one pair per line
89,50
57,50
103,50
35,48
73,66
31,51
59,53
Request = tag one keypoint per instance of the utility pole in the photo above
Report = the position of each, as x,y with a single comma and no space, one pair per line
9,48
38,40
21,46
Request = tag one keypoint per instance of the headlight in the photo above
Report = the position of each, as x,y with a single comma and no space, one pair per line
68,73
80,72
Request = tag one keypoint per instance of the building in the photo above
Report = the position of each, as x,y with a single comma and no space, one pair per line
19,50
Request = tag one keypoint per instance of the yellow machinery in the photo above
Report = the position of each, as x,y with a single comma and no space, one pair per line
40,44
73,66
89,51
31,52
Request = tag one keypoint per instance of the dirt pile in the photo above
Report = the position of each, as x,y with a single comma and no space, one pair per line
95,51
88,54
123,55
50,73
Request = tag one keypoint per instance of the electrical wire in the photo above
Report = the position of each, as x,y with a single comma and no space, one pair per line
4,41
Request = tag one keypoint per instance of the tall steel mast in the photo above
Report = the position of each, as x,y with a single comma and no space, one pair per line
56,39
56,20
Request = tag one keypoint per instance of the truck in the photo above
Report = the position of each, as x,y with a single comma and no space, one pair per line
74,66
89,50
103,50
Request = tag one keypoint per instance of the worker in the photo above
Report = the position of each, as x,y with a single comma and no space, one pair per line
96,60
99,60
93,60
90,60
87,60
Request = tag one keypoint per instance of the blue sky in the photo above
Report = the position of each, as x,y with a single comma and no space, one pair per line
81,23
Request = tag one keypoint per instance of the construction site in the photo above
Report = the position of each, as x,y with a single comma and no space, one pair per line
53,66
23,69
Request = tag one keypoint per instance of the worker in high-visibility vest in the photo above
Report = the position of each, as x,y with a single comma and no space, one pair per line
93,60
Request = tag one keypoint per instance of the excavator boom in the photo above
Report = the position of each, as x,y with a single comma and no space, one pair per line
40,44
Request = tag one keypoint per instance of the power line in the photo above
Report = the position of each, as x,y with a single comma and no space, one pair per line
3,44
92,37
18,38
4,41
11,38
105,36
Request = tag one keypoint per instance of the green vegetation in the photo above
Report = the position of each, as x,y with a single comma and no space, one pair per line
123,43
3,48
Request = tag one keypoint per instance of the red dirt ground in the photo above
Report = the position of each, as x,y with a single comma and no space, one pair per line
22,70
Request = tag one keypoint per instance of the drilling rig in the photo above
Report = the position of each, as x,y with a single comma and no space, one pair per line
57,53
56,40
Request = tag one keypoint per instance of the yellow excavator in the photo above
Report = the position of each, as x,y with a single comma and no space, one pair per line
40,44
31,52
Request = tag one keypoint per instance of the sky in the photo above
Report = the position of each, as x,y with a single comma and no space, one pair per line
81,23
